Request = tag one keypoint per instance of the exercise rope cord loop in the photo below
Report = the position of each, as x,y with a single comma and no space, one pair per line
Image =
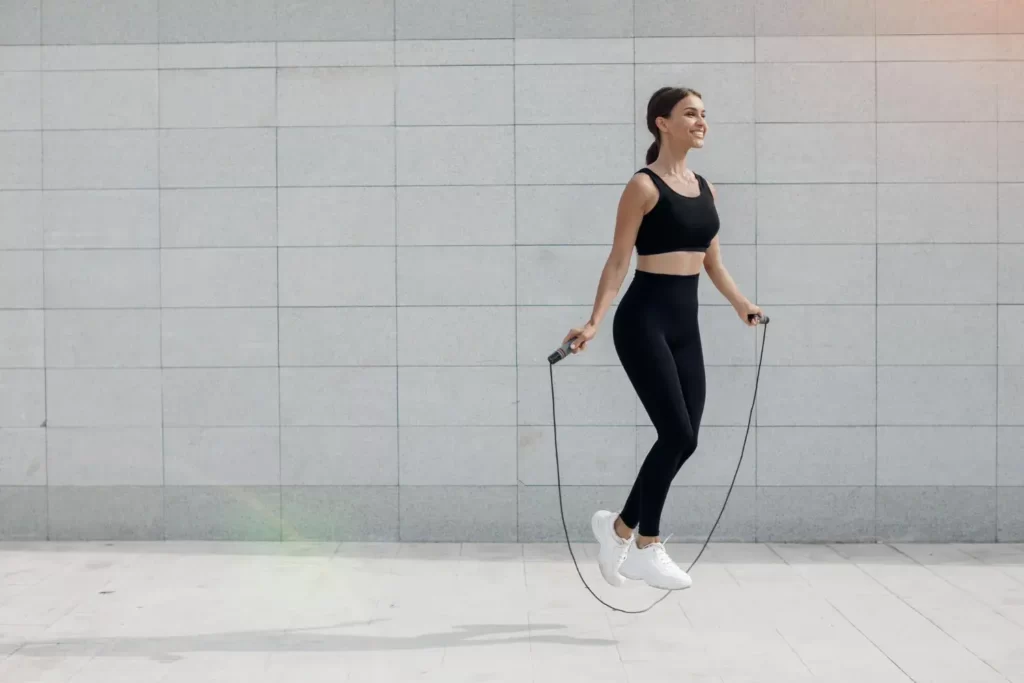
558,474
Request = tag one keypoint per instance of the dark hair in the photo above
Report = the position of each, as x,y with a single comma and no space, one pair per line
662,102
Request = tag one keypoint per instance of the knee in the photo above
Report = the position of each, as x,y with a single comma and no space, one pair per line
682,440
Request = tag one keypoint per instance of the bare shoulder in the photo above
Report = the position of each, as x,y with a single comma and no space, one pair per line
641,190
711,186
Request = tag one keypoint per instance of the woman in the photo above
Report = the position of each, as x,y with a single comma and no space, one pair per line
667,212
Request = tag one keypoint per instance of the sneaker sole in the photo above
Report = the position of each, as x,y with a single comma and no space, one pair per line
669,588
616,580
659,587
654,585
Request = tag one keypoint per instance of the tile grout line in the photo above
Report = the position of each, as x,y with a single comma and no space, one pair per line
394,187
620,425
823,183
995,535
955,587
540,306
598,38
874,521
757,413
160,293
42,238
515,271
888,590
502,246
622,124
277,275
277,266
533,365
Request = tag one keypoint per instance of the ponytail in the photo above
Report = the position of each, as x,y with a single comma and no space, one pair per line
652,151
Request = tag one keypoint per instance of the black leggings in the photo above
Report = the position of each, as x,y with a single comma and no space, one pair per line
657,338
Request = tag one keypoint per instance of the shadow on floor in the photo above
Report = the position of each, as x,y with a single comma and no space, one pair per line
172,648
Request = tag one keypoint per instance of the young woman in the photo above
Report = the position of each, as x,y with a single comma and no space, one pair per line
667,212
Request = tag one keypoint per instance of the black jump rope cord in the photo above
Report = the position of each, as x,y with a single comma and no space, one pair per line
561,353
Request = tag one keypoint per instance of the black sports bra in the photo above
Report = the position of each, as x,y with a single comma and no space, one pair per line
677,222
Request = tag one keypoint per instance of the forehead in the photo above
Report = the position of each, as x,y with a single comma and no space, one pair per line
690,102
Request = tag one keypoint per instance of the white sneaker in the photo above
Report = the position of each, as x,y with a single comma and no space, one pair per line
652,565
613,547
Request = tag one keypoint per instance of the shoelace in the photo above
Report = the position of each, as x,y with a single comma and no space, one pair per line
662,555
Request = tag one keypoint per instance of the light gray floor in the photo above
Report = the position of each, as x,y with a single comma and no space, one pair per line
311,613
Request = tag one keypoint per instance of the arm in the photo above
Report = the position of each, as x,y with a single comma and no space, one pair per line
638,194
723,281
632,205
720,276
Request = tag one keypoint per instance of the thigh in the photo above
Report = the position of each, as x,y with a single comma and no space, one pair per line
650,364
689,363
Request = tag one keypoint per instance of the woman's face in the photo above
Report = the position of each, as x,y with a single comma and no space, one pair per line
687,123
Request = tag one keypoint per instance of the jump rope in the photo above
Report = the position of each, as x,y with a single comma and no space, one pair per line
564,351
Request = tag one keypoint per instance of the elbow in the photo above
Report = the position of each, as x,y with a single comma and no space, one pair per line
618,263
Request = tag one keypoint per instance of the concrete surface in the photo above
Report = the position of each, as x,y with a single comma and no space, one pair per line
202,612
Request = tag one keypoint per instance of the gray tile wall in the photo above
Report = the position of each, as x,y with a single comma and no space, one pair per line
290,270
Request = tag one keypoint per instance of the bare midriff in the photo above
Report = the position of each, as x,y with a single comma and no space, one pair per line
672,263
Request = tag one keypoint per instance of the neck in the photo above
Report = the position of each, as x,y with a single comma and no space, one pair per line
673,160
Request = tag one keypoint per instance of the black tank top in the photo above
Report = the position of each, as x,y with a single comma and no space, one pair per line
677,222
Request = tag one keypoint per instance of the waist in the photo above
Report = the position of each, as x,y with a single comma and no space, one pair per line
668,299
669,287
678,262
666,279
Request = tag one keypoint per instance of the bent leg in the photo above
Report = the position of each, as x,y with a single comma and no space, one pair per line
652,369
689,360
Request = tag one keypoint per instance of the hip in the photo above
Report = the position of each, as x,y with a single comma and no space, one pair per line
669,292
660,302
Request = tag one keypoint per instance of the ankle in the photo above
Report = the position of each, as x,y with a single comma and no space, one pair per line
622,530
644,541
